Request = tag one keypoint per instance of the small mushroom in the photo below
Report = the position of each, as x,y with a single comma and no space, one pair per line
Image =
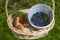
17,24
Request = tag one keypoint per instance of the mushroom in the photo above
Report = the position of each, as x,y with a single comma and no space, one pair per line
17,24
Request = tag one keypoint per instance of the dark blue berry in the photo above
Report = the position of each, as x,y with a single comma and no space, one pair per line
38,19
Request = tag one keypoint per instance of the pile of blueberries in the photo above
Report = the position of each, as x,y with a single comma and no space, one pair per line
39,20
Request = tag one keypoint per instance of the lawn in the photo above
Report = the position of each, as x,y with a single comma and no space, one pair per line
54,34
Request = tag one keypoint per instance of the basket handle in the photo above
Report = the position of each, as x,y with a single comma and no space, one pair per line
53,1
6,7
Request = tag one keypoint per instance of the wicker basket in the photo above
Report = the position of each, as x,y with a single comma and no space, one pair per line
28,34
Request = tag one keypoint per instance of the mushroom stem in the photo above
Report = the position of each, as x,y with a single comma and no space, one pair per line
16,23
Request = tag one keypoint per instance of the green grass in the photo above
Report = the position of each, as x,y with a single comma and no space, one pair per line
54,34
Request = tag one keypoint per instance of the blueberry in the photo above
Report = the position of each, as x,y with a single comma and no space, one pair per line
34,15
37,14
37,24
38,19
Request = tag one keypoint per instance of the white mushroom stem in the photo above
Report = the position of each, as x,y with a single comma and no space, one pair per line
17,24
